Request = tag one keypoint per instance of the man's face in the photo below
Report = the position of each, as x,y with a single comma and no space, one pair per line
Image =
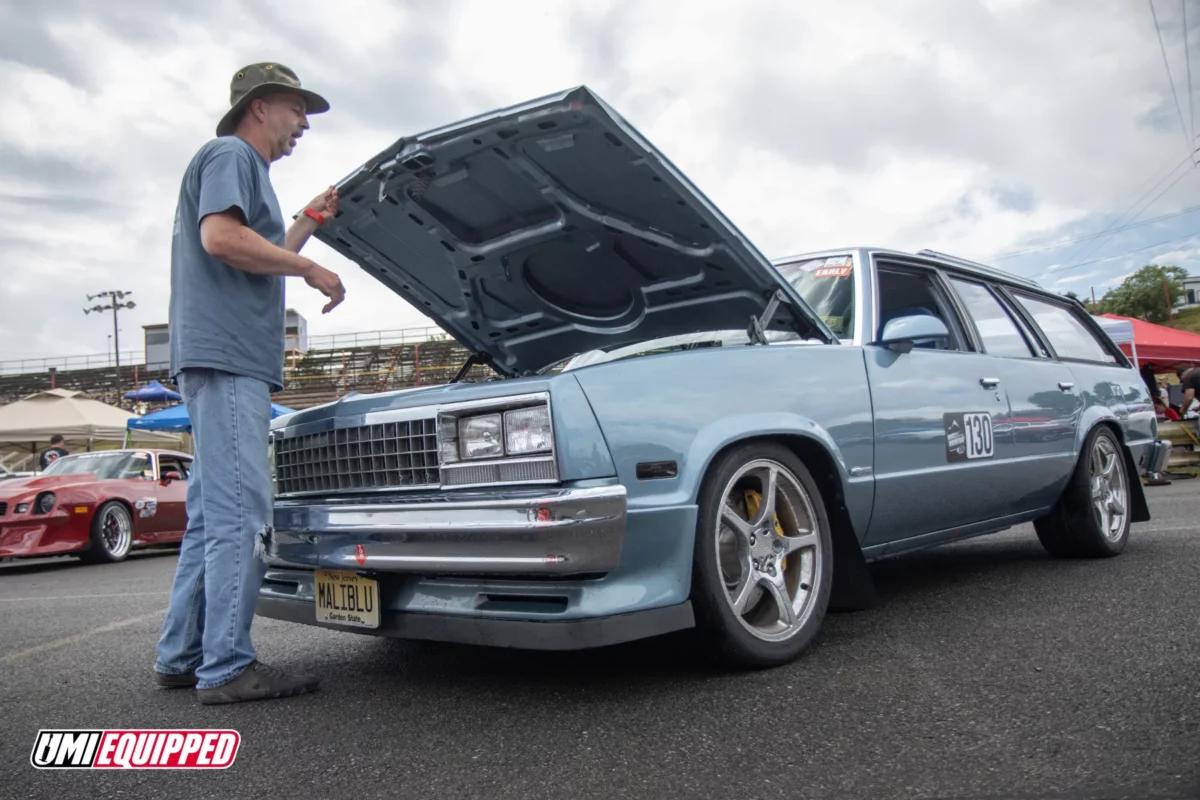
286,122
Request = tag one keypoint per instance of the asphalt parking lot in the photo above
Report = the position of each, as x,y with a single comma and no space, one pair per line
989,671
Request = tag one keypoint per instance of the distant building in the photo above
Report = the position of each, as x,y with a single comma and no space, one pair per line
295,332
158,346
1191,292
158,340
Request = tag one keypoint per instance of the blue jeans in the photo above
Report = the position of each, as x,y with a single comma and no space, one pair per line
222,559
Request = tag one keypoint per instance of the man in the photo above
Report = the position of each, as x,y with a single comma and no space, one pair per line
229,256
54,452
1189,382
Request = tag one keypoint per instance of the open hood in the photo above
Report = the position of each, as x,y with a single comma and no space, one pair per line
545,230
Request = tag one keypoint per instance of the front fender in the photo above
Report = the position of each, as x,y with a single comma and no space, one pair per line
684,408
726,432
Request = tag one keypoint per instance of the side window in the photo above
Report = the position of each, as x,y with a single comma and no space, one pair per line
1068,336
1000,335
905,293
170,464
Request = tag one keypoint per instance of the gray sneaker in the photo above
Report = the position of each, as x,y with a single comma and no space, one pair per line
258,682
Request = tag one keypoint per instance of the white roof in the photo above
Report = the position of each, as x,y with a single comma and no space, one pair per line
75,416
1119,330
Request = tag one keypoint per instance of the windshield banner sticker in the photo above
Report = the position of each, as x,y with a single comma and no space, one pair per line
832,272
968,436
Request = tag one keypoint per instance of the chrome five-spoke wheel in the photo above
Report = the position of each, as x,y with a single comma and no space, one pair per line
1110,493
768,549
763,560
1092,517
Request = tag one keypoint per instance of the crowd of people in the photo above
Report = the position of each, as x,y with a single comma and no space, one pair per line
1188,406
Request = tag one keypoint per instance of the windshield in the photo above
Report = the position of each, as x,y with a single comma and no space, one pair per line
105,466
827,285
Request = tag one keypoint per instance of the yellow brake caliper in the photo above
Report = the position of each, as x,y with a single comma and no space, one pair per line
753,500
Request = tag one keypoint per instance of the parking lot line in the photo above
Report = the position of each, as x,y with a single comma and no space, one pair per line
81,596
79,637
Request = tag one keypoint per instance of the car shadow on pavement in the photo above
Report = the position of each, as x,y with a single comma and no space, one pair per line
679,658
34,566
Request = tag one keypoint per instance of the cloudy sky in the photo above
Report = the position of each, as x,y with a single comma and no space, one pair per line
978,128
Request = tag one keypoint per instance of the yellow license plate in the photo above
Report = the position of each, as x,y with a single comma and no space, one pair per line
345,598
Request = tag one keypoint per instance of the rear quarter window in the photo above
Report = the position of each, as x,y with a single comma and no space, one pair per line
1069,337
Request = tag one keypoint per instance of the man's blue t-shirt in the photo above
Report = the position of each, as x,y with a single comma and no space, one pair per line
222,317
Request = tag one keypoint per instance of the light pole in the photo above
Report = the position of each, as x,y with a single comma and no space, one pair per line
115,298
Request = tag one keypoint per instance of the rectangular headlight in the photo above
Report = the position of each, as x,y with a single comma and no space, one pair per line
481,437
527,430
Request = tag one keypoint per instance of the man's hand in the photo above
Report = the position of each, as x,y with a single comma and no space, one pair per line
326,203
328,284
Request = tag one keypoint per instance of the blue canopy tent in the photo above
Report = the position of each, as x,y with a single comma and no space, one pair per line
153,392
176,418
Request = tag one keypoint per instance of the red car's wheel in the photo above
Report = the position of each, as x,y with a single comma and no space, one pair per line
112,534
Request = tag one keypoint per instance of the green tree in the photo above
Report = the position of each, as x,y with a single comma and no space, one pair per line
1142,295
1074,296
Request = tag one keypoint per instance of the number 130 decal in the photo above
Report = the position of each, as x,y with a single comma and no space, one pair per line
969,436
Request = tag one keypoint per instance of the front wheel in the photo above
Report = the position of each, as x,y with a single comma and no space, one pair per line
1091,519
112,534
763,559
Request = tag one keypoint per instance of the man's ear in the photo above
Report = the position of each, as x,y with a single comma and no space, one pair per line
257,108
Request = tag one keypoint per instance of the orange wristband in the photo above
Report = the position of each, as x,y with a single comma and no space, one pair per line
308,212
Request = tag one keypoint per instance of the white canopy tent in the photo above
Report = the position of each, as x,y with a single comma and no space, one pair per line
81,421
1121,332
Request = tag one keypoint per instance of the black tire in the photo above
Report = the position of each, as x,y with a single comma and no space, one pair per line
724,634
100,550
1075,527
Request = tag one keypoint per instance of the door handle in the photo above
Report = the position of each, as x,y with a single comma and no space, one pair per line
1066,386
989,383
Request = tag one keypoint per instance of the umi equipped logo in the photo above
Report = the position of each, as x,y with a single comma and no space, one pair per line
955,438
134,749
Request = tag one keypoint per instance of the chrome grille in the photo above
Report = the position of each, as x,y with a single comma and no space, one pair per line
388,455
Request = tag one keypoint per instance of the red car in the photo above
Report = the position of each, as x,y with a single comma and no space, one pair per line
97,505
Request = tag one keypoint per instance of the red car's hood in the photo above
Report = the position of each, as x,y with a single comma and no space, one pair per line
22,486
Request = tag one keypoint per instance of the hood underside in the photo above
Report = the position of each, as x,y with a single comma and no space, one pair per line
546,230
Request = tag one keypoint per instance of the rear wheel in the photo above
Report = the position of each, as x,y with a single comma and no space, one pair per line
763,559
112,534
1091,519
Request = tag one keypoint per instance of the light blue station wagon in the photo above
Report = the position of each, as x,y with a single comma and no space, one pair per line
679,433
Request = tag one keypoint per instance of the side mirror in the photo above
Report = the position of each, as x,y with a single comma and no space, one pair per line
901,333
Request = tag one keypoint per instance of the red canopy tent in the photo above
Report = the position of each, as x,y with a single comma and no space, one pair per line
1161,347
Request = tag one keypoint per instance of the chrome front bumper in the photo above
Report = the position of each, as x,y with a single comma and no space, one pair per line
555,532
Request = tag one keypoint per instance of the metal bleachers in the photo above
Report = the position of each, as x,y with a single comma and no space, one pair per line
370,363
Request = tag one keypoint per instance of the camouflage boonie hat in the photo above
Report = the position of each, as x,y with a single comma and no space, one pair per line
262,79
